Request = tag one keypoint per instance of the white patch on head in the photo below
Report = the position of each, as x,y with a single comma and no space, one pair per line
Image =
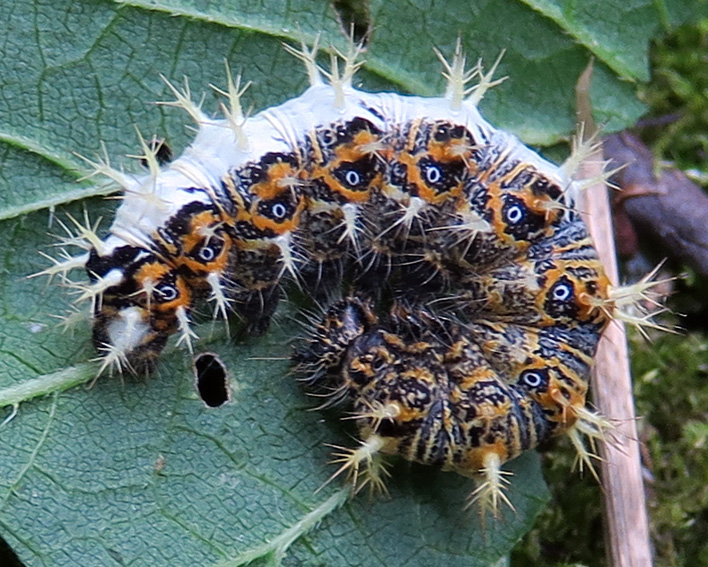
113,277
128,330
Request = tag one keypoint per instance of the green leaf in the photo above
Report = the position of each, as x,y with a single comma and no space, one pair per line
618,40
142,472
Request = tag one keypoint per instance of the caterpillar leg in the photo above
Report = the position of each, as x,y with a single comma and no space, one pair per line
364,465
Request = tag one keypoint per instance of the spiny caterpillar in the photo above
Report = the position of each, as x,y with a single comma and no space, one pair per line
474,299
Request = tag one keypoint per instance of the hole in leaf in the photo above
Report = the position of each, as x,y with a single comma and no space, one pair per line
355,18
211,379
8,558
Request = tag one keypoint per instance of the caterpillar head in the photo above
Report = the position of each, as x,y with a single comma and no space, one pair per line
142,302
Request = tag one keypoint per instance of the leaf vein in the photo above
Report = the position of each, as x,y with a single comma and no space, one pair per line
40,442
278,546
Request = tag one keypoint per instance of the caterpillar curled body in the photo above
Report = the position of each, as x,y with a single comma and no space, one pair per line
470,388
425,390
406,202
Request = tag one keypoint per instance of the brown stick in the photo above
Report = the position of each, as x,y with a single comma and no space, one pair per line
664,207
625,504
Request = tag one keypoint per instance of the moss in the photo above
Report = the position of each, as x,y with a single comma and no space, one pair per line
569,531
678,97
671,387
